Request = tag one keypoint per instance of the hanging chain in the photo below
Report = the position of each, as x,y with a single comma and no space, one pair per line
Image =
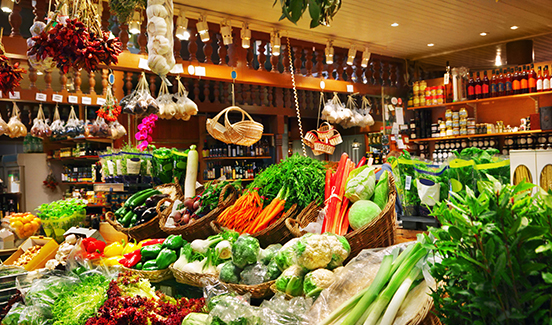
296,98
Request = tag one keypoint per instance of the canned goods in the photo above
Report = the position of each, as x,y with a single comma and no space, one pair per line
434,127
463,122
423,86
449,133
471,121
422,101
416,101
433,91
440,99
434,100
455,123
463,113
463,131
455,115
448,123
440,90
416,88
410,102
448,113
455,131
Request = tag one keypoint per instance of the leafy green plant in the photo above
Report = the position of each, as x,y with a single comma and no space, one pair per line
321,11
496,250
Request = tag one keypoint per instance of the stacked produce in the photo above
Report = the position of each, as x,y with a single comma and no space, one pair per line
27,256
117,252
307,262
24,224
356,185
58,216
140,208
296,180
62,254
154,254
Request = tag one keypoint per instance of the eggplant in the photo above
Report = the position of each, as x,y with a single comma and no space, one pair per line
154,199
139,211
149,214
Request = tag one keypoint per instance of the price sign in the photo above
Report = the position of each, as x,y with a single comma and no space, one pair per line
73,99
86,100
143,64
57,98
41,97
177,69
100,101
15,95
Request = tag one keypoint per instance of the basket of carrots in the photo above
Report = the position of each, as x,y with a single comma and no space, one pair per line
205,208
347,200
274,196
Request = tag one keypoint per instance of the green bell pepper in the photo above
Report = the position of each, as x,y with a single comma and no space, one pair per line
150,266
173,242
150,252
165,258
139,266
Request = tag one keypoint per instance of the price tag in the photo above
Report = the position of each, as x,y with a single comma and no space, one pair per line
399,113
395,129
200,71
407,183
15,95
73,99
100,101
86,100
57,98
370,161
350,89
41,97
400,144
143,64
447,76
177,69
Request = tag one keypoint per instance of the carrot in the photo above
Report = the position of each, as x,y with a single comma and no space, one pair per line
272,214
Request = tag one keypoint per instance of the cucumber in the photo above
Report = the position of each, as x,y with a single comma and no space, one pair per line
142,198
135,195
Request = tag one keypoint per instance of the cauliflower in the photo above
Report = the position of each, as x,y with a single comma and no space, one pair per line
291,281
313,251
316,281
340,249
287,256
266,255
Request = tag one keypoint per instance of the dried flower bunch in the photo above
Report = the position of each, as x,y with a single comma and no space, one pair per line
10,75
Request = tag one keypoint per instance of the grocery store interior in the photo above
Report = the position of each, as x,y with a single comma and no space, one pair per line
275,162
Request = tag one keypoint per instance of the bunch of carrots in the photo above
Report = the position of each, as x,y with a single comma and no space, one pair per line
337,205
247,215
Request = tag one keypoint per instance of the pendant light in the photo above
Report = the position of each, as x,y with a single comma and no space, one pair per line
246,36
329,52
203,29
226,32
365,57
275,42
134,26
182,32
7,6
351,56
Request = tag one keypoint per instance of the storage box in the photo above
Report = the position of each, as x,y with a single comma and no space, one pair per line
84,233
7,239
47,252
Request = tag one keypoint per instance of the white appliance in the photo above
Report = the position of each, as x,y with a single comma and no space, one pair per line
33,170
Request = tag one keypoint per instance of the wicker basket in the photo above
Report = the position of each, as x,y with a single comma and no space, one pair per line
243,133
378,233
325,131
152,276
200,229
309,138
258,291
175,187
275,291
336,138
273,234
323,147
192,279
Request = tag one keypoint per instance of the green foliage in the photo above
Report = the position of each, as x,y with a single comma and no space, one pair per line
496,250
321,11
125,8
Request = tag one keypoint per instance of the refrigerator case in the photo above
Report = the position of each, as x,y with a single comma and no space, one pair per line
33,170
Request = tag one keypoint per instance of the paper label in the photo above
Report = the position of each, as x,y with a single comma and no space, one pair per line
177,69
370,161
110,167
119,167
15,95
133,167
350,88
57,98
100,101
0,94
400,144
446,82
148,167
400,115
395,129
41,97
407,183
73,99
143,64
86,100
200,71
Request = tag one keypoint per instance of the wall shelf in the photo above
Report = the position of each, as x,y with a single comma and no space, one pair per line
235,158
478,136
82,158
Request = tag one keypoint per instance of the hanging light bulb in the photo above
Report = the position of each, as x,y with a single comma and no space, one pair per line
134,27
203,29
365,57
7,6
351,56
182,32
275,42
329,53
226,32
246,36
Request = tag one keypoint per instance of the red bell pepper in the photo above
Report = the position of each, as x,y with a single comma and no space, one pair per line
153,242
131,259
87,241
93,256
95,246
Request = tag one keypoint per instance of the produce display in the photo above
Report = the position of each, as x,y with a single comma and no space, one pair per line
296,180
27,256
154,254
24,224
58,216
62,254
140,208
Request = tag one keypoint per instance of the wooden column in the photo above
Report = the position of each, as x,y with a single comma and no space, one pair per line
308,61
123,37
142,39
262,55
16,20
221,51
208,49
192,45
92,82
39,11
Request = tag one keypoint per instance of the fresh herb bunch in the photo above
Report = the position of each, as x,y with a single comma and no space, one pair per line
320,11
124,9
302,176
405,173
496,250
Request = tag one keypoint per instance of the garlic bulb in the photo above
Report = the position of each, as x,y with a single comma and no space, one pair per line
160,45
157,10
190,107
157,26
160,36
158,64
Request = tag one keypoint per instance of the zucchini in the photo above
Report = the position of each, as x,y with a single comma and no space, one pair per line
135,195
139,200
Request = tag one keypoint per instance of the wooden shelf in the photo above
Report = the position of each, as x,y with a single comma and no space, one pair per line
75,158
81,183
237,158
231,180
477,136
484,100
83,139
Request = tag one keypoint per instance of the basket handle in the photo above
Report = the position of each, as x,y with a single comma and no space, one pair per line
329,125
160,204
217,117
227,187
236,108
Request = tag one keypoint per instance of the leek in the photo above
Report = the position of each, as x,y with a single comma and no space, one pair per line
399,297
396,281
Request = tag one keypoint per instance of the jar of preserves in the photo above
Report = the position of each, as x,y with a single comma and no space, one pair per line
463,113
448,113
416,88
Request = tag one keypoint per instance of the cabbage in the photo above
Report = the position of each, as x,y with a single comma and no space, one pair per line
362,213
360,184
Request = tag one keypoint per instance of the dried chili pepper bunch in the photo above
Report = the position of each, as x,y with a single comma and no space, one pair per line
109,111
51,182
10,75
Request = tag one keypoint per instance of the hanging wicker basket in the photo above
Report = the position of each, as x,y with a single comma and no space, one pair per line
323,147
325,131
244,133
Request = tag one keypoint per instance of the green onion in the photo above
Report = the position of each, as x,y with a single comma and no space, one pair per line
398,298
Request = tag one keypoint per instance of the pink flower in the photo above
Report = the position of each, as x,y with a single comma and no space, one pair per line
142,145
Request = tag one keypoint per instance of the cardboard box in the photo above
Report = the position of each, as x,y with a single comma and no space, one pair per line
81,232
7,239
47,252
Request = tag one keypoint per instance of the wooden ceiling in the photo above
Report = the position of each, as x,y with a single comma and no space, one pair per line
452,25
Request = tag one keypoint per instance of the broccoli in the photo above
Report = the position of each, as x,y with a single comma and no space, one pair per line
313,251
245,251
254,274
316,281
287,256
340,249
273,271
268,254
229,273
291,281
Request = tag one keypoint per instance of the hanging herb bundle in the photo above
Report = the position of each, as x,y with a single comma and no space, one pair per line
320,11
124,9
77,42
10,75
109,111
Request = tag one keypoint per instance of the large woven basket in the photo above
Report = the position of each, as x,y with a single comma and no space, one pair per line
152,276
244,133
273,234
258,291
378,233
192,279
200,229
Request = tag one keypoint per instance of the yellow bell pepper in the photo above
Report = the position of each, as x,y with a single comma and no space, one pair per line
112,261
131,247
113,249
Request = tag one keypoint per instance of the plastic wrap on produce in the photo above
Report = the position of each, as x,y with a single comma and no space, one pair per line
359,274
279,311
